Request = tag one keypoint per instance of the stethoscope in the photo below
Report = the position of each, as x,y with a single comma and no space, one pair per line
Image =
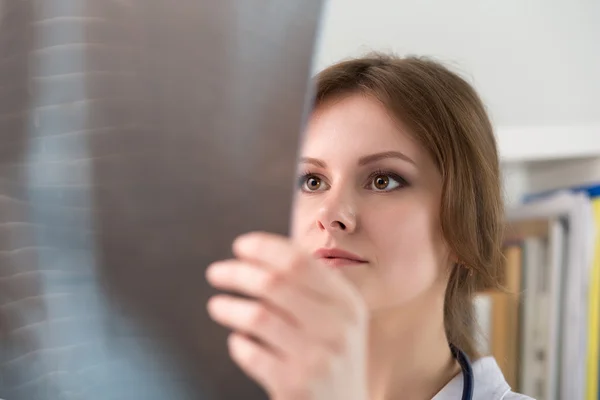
467,372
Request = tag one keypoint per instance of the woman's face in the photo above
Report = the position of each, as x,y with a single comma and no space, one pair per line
367,188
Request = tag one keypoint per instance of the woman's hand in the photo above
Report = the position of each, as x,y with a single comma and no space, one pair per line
310,323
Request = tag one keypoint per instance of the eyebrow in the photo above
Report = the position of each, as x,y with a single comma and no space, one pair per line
363,160
313,161
386,154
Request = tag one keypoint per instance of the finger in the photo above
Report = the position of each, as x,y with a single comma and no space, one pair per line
277,252
251,280
319,320
256,361
258,320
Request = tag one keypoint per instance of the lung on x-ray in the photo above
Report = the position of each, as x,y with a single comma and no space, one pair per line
137,139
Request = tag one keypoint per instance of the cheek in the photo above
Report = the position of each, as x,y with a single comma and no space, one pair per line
302,217
409,247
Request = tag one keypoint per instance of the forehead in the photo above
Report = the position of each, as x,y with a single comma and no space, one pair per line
354,126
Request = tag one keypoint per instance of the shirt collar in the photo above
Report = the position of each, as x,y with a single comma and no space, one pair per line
488,382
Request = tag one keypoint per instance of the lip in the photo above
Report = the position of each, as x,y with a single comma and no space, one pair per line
338,257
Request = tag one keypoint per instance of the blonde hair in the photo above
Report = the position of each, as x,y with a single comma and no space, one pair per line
447,117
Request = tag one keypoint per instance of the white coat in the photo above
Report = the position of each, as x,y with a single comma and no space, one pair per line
488,384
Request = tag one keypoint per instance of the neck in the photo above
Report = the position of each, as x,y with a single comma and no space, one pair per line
409,356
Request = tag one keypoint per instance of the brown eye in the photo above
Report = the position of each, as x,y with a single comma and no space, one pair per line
385,182
381,182
312,183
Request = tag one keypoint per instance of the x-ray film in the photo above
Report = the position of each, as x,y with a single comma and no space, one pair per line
138,138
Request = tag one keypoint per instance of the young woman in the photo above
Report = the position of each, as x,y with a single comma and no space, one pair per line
396,224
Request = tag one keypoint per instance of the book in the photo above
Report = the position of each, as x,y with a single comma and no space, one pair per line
536,362
593,337
579,376
503,326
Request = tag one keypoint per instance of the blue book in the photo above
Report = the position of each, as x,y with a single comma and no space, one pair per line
592,190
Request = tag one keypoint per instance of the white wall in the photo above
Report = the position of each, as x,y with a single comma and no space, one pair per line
535,62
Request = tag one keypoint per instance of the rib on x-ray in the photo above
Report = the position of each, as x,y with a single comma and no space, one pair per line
137,139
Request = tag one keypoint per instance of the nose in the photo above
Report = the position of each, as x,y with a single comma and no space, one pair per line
337,214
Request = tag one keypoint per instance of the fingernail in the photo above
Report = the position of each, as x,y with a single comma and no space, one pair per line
215,272
216,305
242,242
212,306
